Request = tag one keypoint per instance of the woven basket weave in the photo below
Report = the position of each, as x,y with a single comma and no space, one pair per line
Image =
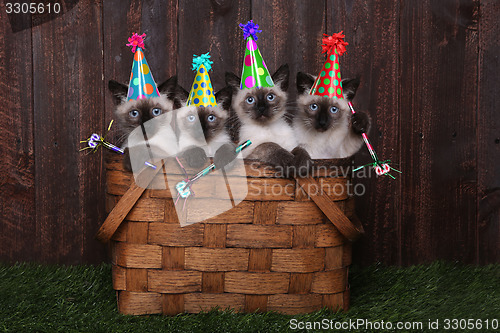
272,252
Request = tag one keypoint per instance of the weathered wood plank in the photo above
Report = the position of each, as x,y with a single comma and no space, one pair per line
372,31
291,33
211,26
67,78
438,130
488,220
17,170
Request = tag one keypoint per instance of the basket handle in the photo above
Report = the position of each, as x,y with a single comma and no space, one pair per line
123,207
350,229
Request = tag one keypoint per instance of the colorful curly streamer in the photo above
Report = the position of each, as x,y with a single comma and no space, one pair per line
136,41
203,59
250,29
334,42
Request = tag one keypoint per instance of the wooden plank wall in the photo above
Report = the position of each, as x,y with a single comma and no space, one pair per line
429,72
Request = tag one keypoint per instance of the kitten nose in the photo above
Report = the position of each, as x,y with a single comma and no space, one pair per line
261,109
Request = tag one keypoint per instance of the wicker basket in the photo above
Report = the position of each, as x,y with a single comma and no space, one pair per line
269,253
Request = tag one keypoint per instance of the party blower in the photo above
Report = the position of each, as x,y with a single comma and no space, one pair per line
184,187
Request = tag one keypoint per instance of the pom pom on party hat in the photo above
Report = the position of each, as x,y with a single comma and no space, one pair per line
142,85
202,93
328,82
255,72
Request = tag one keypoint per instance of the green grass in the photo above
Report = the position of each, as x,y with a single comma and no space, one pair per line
37,298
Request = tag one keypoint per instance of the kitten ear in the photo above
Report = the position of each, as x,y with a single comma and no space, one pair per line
118,90
233,80
224,97
280,78
349,88
304,82
168,87
173,91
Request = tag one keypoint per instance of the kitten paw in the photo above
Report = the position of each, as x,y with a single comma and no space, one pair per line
195,157
302,162
127,165
224,155
360,122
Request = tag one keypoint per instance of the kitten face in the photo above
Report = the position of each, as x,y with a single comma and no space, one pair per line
211,120
133,113
321,113
324,126
261,105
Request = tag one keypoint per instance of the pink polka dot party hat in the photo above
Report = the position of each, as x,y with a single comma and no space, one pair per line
142,85
328,83
255,73
202,93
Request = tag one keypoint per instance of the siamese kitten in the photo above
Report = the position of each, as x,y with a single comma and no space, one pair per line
131,114
262,118
204,132
325,127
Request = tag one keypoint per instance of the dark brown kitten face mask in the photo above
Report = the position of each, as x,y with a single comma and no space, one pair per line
133,113
261,105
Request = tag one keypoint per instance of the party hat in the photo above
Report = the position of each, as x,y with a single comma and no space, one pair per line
328,82
142,85
202,93
255,72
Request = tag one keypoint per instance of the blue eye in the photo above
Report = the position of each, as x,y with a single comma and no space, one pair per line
134,113
334,109
156,112
191,118
250,100
313,107
270,97
211,118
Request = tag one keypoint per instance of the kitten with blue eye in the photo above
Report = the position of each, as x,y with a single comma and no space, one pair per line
205,132
324,126
262,118
129,115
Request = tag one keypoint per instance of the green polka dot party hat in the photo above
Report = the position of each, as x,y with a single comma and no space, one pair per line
328,83
202,93
142,85
255,73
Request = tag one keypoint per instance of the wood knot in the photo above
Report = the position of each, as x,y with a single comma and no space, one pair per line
221,5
